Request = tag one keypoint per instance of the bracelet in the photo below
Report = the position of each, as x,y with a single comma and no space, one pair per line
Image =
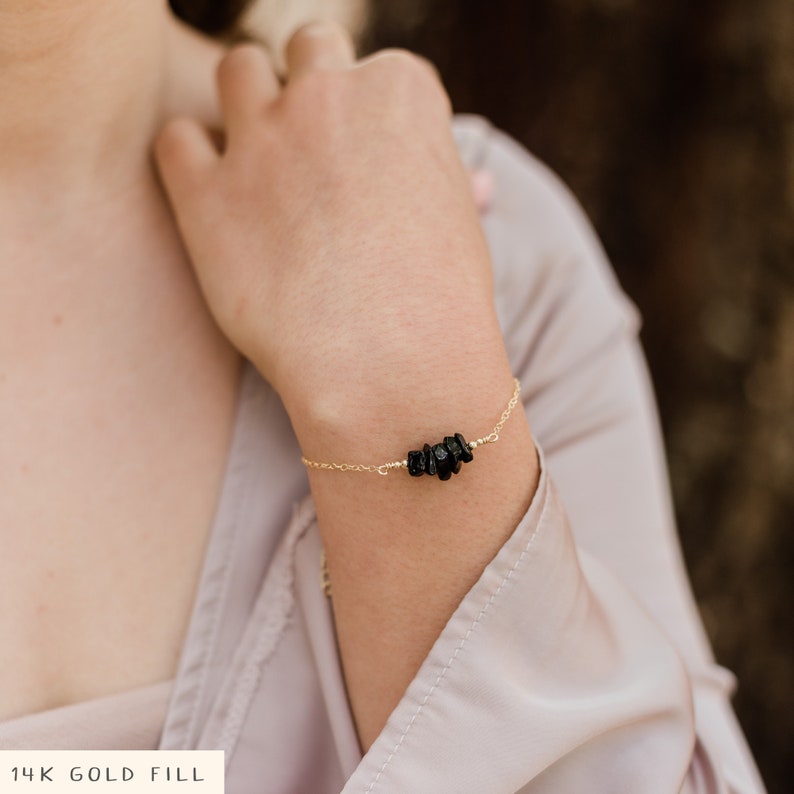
325,579
443,459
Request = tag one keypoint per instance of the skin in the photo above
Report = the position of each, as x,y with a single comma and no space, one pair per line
336,246
105,503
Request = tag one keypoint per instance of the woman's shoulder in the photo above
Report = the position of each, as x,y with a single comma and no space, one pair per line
554,286
525,189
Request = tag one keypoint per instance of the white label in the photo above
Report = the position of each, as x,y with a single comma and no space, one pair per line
111,771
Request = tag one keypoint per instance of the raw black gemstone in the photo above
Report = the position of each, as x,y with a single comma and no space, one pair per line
416,463
455,452
430,460
443,461
466,456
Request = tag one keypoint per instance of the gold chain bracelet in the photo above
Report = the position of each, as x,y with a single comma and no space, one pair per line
442,459
453,451
325,579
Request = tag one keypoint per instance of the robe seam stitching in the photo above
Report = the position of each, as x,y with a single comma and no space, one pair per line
464,639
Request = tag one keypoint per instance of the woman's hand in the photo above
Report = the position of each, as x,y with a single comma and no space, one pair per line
335,236
339,248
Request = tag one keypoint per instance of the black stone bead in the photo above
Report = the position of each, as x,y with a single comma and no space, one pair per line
466,455
455,452
430,460
416,463
443,461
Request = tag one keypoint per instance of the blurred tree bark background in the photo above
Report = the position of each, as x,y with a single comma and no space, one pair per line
673,122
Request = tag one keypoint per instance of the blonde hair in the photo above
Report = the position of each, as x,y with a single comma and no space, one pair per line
274,21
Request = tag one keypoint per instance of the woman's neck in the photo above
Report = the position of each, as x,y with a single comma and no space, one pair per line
85,85
82,85
86,239
117,390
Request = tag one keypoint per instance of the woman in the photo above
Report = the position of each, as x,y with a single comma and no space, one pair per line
471,641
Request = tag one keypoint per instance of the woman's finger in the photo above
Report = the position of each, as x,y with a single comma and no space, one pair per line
185,155
247,83
319,45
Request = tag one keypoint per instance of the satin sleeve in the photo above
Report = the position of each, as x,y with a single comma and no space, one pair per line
578,661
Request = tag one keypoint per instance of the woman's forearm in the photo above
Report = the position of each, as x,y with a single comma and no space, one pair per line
403,551
339,247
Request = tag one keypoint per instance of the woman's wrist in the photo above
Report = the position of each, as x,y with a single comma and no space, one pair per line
379,413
